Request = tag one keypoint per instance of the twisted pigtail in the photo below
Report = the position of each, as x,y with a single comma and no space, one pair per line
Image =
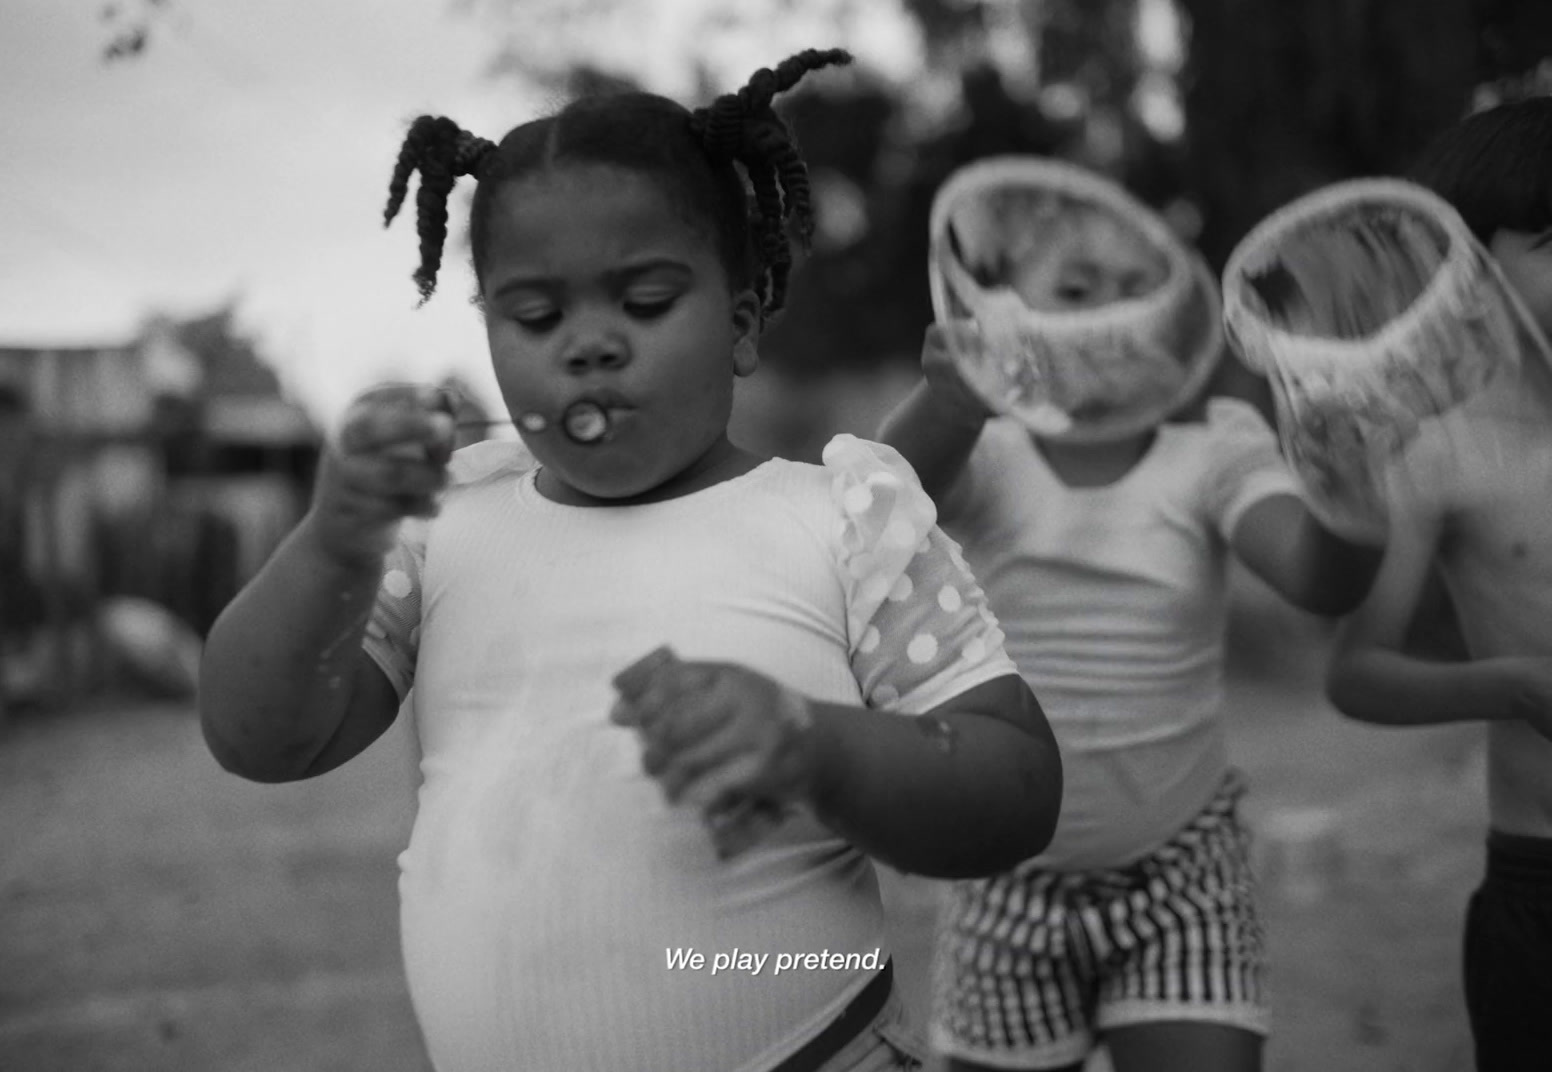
743,127
441,151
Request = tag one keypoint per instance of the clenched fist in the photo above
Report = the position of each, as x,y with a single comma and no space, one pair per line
388,462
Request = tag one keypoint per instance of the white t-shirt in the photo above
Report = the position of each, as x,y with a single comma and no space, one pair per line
547,880
1114,600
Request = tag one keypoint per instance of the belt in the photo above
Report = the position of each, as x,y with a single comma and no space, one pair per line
854,1019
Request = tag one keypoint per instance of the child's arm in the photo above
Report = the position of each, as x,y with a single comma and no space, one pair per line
286,691
937,426
1313,568
1371,680
1252,499
969,788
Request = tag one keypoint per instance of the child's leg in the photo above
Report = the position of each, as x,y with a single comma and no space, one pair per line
1183,988
1508,956
1014,978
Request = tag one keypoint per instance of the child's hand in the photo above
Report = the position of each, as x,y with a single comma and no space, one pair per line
943,374
1532,683
388,462
721,738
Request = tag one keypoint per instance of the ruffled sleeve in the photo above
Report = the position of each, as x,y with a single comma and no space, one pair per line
392,638
918,627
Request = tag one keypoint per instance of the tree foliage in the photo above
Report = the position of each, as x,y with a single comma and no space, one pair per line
1276,98
130,24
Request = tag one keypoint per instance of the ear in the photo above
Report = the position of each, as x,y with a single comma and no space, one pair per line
746,332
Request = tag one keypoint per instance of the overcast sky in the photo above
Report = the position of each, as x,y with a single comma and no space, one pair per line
246,155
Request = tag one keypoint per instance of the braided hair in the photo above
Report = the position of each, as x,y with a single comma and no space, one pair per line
441,151
732,167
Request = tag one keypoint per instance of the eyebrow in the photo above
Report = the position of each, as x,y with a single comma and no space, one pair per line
614,277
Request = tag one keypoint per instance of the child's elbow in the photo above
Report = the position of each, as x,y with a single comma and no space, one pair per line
245,763
1340,584
1043,786
227,757
1041,806
1015,825
1330,590
1325,575
1040,831
233,760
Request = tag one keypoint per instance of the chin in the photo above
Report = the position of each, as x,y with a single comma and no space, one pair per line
610,483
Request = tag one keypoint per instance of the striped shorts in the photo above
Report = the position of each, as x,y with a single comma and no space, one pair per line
1033,965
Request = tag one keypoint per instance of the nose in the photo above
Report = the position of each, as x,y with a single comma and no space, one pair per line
593,349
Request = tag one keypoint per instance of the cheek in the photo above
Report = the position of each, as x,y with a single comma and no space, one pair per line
513,359
1036,284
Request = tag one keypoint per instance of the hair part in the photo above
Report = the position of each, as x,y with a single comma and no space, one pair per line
732,167
1495,168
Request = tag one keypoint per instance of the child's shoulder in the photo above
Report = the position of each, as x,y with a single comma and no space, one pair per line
857,471
877,494
845,461
1222,431
1228,418
862,487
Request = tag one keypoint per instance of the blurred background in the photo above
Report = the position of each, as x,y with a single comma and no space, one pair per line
194,281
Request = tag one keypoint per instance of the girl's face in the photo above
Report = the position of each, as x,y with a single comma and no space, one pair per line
1092,262
596,288
1526,260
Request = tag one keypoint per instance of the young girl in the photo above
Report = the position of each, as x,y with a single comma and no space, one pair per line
626,597
1103,541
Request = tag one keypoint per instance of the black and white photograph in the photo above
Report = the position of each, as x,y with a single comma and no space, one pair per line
778,536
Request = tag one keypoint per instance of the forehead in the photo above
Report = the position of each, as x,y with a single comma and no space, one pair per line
578,216
1102,239
1051,229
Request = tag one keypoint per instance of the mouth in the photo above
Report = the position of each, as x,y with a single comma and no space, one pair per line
586,420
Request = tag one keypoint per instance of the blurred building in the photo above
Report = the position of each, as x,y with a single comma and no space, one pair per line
166,468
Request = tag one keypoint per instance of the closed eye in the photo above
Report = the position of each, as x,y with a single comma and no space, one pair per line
537,320
650,308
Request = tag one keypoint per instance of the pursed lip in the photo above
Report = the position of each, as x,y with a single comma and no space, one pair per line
603,397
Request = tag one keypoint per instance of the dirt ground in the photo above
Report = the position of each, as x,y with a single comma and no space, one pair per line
158,914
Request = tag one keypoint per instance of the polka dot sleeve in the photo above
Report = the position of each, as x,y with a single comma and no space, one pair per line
918,626
393,631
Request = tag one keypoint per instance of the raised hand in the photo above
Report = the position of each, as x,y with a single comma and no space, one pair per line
944,374
1531,681
388,462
